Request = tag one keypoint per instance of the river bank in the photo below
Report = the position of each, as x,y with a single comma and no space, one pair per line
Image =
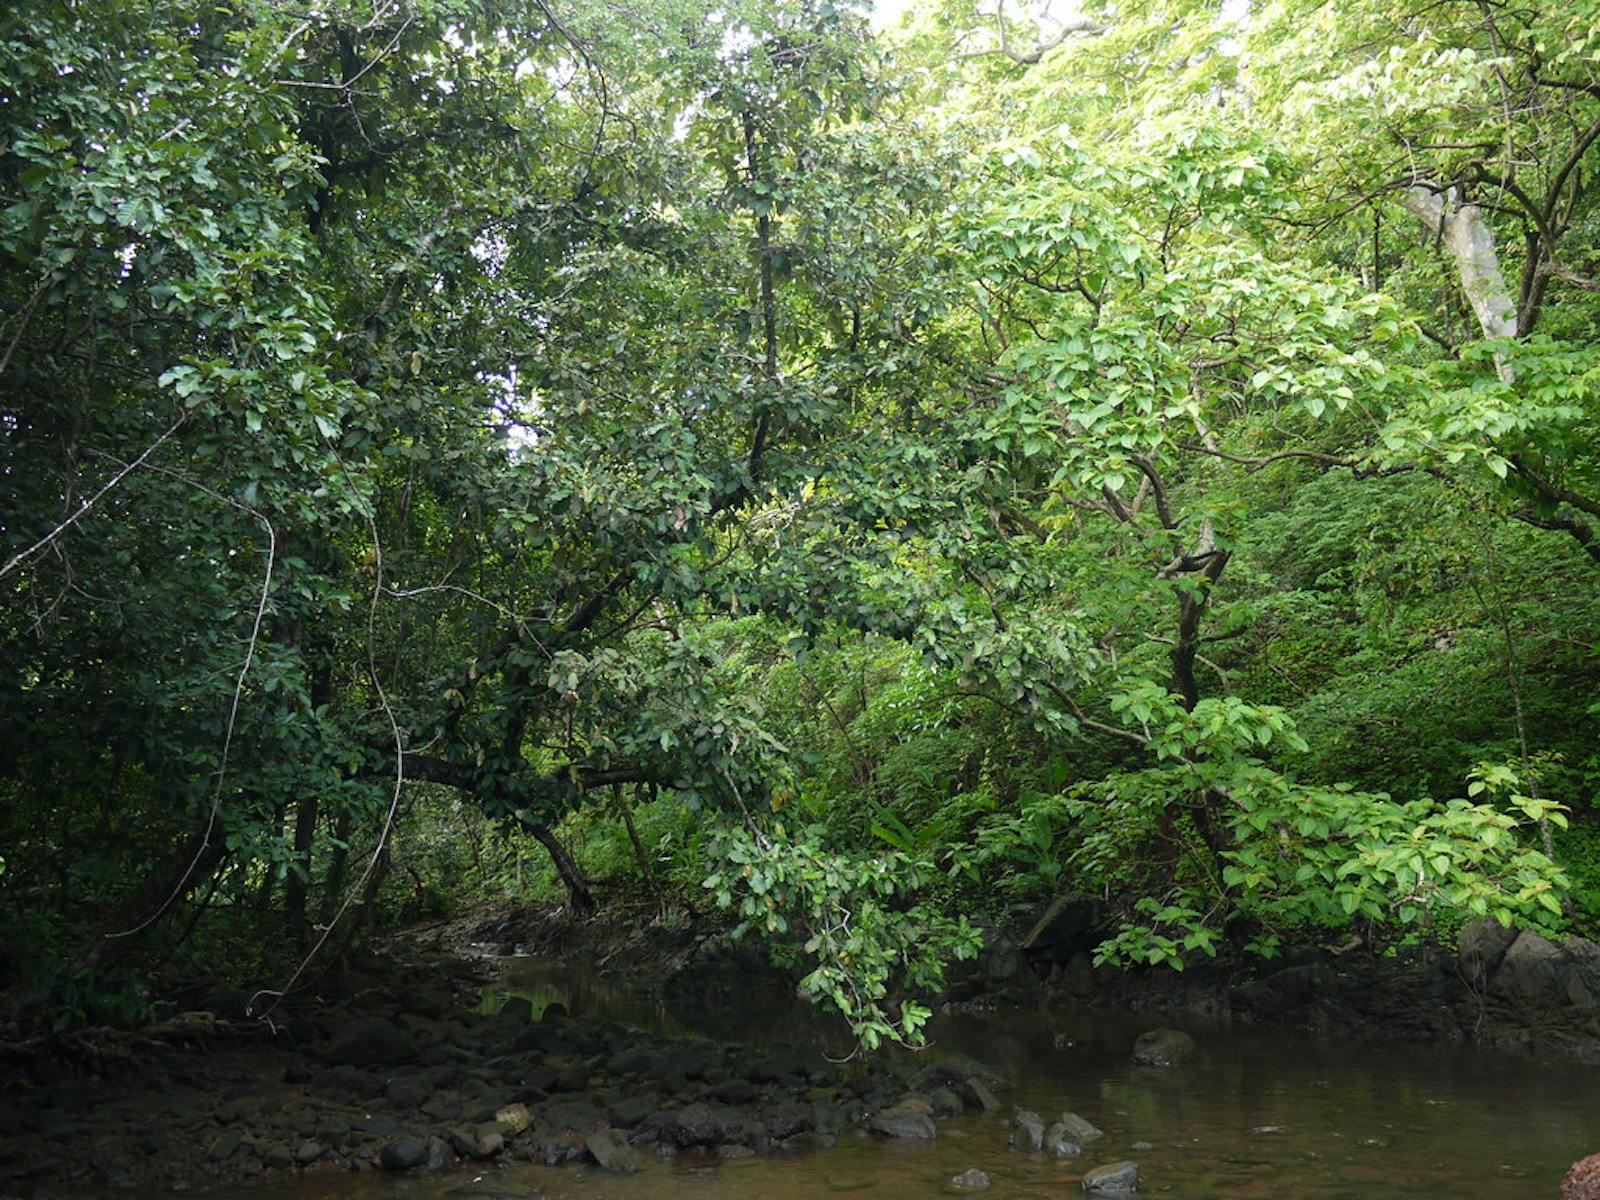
445,1054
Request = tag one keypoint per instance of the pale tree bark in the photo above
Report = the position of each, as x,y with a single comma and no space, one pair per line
1461,228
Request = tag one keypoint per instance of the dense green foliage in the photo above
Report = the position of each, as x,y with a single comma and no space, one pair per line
725,454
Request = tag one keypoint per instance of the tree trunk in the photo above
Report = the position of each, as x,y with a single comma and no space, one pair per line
190,866
333,888
298,884
1459,224
639,855
577,886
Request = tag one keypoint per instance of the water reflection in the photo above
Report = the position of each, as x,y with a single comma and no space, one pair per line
1258,1116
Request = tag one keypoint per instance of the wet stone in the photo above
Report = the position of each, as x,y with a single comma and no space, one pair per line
908,1119
1080,1130
1112,1179
1163,1048
1027,1131
1059,1141
970,1180
403,1154
612,1152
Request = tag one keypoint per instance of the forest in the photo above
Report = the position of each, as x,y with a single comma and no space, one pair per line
848,475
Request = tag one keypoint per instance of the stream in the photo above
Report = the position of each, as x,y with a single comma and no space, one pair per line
1259,1114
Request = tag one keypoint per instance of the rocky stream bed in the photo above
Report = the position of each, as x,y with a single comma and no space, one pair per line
442,1074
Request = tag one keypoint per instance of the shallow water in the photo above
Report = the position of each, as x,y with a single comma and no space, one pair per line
1259,1115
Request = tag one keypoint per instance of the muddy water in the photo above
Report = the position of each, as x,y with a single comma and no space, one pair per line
1259,1115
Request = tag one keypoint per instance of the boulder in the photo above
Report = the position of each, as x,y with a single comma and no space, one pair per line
487,1144
944,1103
1112,1179
735,1091
970,1180
1481,947
692,1125
438,1154
908,1119
1027,1130
1583,1180
1003,960
1069,925
630,1110
1163,1048
1530,972
403,1154
408,1092
279,1157
307,1152
1082,1131
575,1115
370,1041
976,1095
952,1071
222,1149
786,1119
514,1118
612,1152
1060,1142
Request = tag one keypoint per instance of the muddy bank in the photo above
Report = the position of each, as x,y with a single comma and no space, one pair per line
1501,988
401,1069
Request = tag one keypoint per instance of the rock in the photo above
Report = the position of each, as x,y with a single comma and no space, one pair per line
952,1071
1078,975
1071,924
1027,1130
370,1041
514,1117
1583,1180
944,1103
632,1060
1003,961
971,1180
1112,1179
307,1152
733,1150
786,1119
572,1077
630,1110
517,1010
1530,972
690,1059
908,1119
780,1064
735,1091
1059,1141
439,1155
222,1149
408,1092
612,1152
403,1154
1481,947
279,1158
693,1125
554,1148
978,1096
487,1145
574,1115
1163,1048
1082,1131
1141,1147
